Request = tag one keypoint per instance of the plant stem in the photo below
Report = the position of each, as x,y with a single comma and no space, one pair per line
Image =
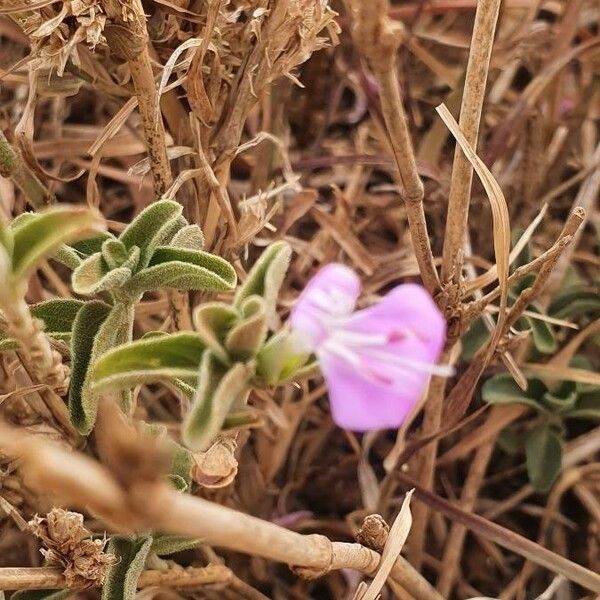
510,540
127,37
378,39
47,578
482,41
11,165
425,463
83,482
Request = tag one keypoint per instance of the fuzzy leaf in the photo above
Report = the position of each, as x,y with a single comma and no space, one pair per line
502,389
85,327
151,360
144,230
181,468
561,399
183,269
94,276
278,360
94,333
58,316
575,303
544,337
121,577
219,391
212,321
67,256
266,276
248,336
115,253
165,545
90,245
38,237
190,237
543,452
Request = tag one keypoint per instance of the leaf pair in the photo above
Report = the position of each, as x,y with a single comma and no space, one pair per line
158,249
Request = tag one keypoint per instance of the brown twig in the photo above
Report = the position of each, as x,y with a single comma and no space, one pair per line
128,39
47,578
378,39
83,482
470,116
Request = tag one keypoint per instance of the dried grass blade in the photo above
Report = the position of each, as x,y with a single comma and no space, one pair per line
562,373
500,216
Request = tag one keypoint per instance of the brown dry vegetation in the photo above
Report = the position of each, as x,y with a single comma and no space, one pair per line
315,122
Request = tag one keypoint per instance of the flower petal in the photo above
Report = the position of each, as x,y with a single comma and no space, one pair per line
329,296
408,318
360,404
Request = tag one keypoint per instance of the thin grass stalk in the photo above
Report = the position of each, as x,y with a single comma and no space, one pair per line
482,41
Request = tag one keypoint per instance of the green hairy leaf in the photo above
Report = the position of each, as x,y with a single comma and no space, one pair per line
7,343
151,360
266,276
544,337
190,237
219,391
93,275
122,577
183,269
165,545
94,333
90,245
145,230
85,327
279,360
248,336
43,233
586,407
543,452
58,316
212,321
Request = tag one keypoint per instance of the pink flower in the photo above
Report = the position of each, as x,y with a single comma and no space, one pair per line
377,361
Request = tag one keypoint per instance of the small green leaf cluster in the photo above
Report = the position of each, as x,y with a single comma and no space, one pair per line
543,443
217,364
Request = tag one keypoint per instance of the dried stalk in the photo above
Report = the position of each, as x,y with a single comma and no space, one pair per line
128,39
509,539
83,482
482,41
48,578
11,165
456,536
378,39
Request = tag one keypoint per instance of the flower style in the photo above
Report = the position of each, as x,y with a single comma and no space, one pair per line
376,361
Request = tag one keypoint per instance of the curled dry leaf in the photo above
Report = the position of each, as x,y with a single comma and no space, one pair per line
218,466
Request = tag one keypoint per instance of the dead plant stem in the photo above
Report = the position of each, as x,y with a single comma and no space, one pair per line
482,41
